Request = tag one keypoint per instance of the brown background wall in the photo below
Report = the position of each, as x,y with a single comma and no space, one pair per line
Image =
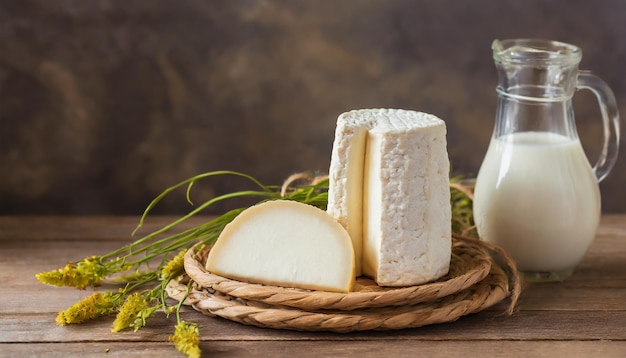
105,103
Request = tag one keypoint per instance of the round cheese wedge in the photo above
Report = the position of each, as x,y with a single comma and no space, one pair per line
285,243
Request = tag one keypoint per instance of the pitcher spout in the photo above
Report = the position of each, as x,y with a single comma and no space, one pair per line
536,69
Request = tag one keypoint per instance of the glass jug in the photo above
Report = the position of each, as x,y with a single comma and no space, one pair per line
536,194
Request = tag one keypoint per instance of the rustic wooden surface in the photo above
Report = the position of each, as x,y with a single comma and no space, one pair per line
582,317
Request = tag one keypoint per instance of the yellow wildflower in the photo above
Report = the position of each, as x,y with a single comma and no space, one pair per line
129,312
91,307
88,272
186,338
175,267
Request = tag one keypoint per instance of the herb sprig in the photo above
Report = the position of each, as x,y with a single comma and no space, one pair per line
142,290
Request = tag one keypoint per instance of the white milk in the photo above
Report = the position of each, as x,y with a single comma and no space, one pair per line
537,197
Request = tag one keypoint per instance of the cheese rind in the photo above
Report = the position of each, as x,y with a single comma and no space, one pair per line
404,195
285,243
346,192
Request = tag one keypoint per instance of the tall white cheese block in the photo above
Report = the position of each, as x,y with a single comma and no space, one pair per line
389,186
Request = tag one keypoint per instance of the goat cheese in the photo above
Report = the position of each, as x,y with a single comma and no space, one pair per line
389,187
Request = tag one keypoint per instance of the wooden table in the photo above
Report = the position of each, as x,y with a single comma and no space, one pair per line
584,316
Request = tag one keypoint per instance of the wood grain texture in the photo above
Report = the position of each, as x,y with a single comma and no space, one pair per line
503,349
582,317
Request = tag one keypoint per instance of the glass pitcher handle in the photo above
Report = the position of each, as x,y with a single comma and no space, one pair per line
610,120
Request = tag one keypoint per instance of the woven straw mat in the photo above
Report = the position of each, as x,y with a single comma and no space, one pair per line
480,276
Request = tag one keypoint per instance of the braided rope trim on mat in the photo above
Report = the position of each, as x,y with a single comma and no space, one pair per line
478,297
469,264
501,282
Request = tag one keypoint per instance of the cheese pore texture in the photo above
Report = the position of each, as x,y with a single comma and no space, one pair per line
389,186
285,243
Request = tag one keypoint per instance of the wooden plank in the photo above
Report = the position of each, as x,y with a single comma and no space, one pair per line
93,349
525,325
83,227
62,227
549,349
417,348
573,299
614,223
